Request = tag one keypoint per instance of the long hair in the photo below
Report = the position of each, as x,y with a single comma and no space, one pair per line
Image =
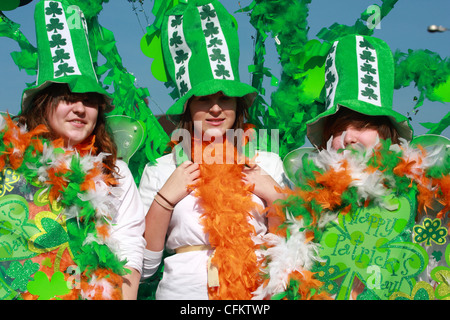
338,122
47,100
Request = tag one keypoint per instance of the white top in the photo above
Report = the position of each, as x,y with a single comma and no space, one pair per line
128,225
185,275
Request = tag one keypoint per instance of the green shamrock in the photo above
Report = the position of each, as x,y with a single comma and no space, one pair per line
64,69
47,289
55,25
180,72
367,67
53,9
430,230
177,21
331,78
369,81
60,56
368,244
437,255
175,40
214,42
210,29
367,55
217,55
183,88
369,93
365,44
181,56
21,274
207,13
222,72
57,41
329,62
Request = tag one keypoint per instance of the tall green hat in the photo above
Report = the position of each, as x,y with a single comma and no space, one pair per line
359,75
201,53
63,51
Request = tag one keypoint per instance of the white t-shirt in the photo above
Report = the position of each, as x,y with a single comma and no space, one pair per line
185,274
128,225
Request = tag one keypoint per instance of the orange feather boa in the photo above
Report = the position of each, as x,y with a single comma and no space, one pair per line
227,205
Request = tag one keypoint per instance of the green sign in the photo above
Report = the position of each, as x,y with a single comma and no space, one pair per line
372,244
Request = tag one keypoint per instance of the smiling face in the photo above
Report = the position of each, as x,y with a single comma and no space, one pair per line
213,114
74,120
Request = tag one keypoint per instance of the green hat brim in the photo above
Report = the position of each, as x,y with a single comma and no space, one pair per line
231,88
77,84
315,127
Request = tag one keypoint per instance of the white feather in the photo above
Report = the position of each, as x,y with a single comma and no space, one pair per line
286,256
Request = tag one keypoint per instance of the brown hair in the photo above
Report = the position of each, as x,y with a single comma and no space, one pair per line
339,121
47,101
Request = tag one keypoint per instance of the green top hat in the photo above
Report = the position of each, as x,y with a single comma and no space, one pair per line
201,53
63,51
359,75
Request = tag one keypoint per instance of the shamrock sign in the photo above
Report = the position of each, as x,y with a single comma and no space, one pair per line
47,288
371,244
15,228
21,273
430,230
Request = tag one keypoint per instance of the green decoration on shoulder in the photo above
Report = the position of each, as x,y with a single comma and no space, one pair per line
128,135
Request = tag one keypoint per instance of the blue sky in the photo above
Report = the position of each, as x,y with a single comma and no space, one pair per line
404,28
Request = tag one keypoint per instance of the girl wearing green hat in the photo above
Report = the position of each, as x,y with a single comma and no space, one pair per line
206,207
95,191
354,223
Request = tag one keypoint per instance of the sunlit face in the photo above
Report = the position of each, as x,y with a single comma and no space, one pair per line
74,121
368,137
213,114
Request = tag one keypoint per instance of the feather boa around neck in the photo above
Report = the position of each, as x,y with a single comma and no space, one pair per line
74,179
227,204
335,182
